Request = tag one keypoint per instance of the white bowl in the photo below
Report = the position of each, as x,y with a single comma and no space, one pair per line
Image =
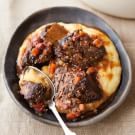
119,8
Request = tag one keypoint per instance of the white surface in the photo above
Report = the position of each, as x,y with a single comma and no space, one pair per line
15,122
120,8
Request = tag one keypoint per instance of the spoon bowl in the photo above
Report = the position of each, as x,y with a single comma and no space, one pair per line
45,77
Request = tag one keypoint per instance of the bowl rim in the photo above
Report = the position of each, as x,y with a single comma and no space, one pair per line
89,121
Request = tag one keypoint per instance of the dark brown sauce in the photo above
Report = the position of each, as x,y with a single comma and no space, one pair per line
106,43
110,76
106,63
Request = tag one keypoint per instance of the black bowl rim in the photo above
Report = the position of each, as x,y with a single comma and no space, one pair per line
94,119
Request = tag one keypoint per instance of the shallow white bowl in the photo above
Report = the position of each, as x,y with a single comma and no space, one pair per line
119,8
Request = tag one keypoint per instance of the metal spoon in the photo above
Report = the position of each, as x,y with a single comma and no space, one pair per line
51,103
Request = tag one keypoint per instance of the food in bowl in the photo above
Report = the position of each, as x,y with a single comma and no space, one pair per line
82,62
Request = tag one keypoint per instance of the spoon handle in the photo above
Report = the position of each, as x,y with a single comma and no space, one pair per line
67,131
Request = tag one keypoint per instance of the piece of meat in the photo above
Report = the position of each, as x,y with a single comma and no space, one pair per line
40,48
88,89
79,49
35,94
74,87
37,54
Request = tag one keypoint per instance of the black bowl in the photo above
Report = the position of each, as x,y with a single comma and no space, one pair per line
67,15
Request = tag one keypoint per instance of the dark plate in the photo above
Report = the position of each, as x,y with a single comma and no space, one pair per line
67,15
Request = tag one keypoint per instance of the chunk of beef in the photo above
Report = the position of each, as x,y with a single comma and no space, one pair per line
74,87
35,94
79,49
